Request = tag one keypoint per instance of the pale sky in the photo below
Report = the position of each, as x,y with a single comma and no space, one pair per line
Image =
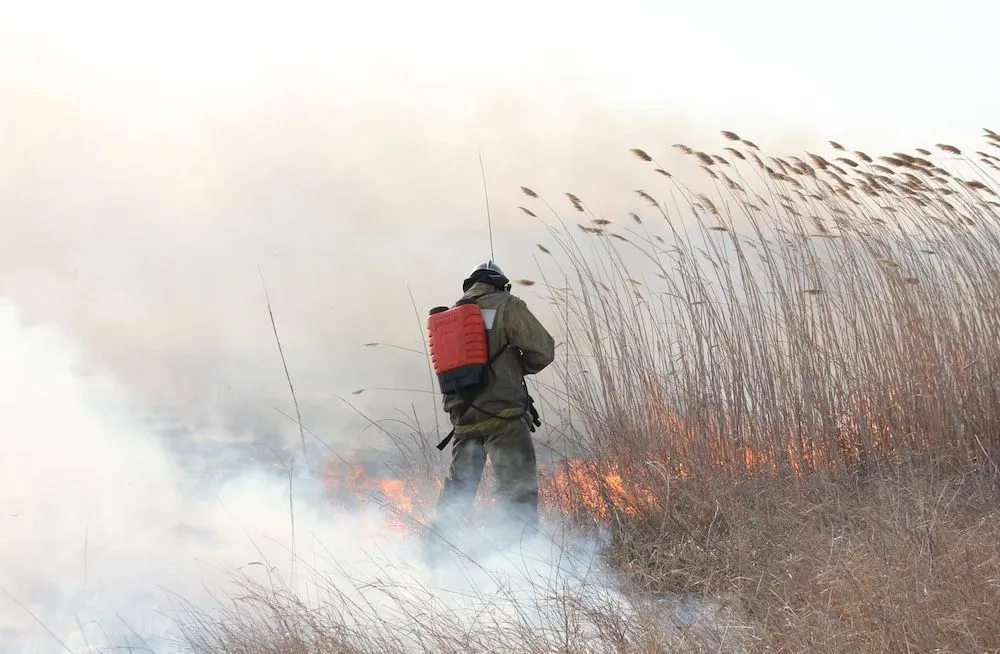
151,159
890,68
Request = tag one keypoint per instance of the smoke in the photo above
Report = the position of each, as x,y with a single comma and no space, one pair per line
110,543
96,511
144,191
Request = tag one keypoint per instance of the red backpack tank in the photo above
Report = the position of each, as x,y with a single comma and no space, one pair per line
459,346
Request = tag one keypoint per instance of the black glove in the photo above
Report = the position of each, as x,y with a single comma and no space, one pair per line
535,422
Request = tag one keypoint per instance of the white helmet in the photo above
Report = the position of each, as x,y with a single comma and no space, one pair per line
487,272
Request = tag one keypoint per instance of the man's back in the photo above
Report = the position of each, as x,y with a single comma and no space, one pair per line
527,349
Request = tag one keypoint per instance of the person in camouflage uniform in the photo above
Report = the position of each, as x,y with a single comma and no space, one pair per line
502,418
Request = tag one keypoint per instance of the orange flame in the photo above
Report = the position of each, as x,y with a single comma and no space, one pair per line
592,489
623,484
348,487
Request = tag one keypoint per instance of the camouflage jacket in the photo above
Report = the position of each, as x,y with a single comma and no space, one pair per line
530,348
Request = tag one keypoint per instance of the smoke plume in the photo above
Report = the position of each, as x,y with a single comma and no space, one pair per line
109,543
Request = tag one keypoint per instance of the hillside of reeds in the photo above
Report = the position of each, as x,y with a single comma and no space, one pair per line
779,396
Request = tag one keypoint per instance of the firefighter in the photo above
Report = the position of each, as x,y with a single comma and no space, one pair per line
499,420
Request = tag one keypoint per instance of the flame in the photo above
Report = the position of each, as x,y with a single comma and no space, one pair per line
573,487
351,486
593,489
860,431
623,483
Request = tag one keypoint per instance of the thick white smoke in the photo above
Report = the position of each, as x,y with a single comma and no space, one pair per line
94,508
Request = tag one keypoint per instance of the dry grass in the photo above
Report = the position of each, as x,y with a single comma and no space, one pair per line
894,563
779,390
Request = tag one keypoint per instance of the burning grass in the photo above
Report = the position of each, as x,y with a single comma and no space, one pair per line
779,390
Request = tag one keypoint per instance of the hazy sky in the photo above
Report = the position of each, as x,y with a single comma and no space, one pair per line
151,160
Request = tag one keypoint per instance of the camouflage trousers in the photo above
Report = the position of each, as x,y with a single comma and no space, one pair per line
511,452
